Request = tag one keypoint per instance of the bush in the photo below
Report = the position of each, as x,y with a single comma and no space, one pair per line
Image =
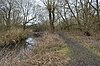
12,36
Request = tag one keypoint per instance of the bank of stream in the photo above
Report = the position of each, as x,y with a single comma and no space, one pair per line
20,52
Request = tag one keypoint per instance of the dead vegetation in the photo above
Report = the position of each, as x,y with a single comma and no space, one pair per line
12,36
49,51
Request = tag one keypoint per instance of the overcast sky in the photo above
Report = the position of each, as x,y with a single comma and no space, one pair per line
39,2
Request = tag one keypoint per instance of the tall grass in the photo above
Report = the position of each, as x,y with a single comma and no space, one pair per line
12,36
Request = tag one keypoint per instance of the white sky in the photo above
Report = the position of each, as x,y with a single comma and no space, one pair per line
39,2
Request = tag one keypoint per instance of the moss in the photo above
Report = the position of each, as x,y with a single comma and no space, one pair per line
95,50
65,50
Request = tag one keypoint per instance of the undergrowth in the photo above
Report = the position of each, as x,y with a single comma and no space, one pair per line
12,36
50,50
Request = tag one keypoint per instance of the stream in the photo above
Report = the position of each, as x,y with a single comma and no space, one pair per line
30,42
20,53
26,50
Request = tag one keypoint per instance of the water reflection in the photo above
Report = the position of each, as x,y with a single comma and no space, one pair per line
30,42
21,52
27,50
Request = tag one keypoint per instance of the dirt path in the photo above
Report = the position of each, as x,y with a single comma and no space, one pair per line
81,56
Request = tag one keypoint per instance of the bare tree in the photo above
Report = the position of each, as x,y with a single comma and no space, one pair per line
51,6
62,10
6,7
77,12
26,9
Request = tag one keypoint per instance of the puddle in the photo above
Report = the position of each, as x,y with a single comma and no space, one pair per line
30,42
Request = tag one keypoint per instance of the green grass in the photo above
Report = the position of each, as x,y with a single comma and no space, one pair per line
95,50
65,50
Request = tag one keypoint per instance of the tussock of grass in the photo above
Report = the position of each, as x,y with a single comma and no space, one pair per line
12,36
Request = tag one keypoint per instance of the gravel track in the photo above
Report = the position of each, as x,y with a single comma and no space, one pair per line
81,56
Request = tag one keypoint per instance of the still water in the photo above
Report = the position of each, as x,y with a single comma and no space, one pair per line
21,53
30,42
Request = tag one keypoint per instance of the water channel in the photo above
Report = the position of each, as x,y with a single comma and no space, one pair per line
22,52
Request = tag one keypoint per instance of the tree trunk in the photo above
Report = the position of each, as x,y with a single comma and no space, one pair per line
24,26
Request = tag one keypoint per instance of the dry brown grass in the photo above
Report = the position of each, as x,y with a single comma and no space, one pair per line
12,36
50,41
49,51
